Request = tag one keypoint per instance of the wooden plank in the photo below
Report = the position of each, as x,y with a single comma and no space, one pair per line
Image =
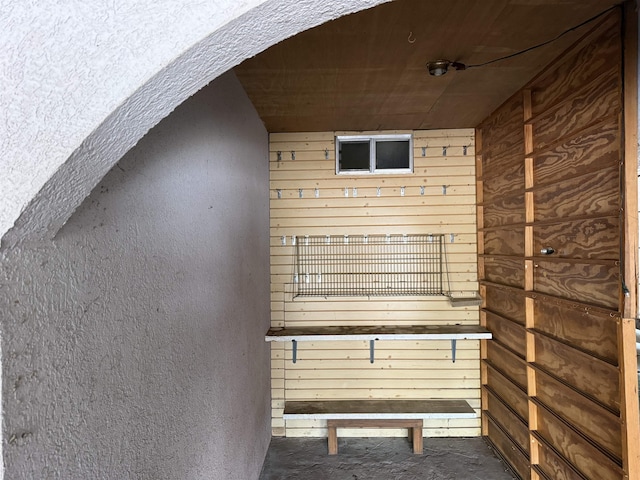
599,425
631,433
597,100
581,326
591,238
508,421
509,364
387,219
630,183
504,178
381,394
276,137
422,332
310,383
320,211
593,195
507,332
502,130
504,241
508,450
414,427
594,284
358,361
441,431
587,59
417,225
504,270
577,452
379,409
504,211
508,392
591,150
591,376
438,371
507,302
367,197
552,465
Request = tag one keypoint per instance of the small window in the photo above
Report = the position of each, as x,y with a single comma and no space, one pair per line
374,154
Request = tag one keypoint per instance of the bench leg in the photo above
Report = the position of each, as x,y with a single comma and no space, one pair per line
417,439
332,439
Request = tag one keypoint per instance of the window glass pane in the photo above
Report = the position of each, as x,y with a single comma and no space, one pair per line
354,156
392,155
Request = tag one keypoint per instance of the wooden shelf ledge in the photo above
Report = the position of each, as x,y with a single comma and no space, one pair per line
410,332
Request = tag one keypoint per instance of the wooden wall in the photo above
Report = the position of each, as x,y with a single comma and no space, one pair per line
402,369
557,399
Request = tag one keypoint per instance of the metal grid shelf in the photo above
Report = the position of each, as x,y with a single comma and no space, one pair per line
369,265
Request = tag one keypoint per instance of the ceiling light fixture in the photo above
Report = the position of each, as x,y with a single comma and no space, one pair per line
438,68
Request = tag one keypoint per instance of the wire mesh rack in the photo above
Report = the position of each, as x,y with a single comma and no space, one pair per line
369,265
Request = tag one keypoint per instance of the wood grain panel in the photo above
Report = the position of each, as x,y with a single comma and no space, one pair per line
599,99
509,303
504,241
509,364
579,453
504,270
507,332
504,211
579,196
503,416
594,149
501,132
592,238
508,392
589,59
502,178
518,461
552,465
579,325
593,377
582,282
593,421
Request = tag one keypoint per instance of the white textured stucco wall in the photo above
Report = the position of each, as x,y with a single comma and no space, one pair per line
133,344
82,82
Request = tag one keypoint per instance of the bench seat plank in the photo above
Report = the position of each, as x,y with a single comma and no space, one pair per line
400,332
378,409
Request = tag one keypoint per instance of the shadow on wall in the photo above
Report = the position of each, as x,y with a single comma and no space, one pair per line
134,343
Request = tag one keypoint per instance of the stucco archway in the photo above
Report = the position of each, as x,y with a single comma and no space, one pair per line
85,83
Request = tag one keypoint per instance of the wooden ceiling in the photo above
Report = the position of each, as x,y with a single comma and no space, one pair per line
367,71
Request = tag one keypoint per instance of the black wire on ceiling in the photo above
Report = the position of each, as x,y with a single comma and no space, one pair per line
560,35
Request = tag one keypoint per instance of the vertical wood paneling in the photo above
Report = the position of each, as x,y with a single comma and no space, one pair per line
504,216
308,198
568,234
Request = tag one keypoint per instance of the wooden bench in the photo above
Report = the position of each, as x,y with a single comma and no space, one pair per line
377,414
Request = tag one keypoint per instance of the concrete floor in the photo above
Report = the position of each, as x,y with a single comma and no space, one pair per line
382,459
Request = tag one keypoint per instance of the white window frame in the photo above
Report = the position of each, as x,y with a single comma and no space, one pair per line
373,139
